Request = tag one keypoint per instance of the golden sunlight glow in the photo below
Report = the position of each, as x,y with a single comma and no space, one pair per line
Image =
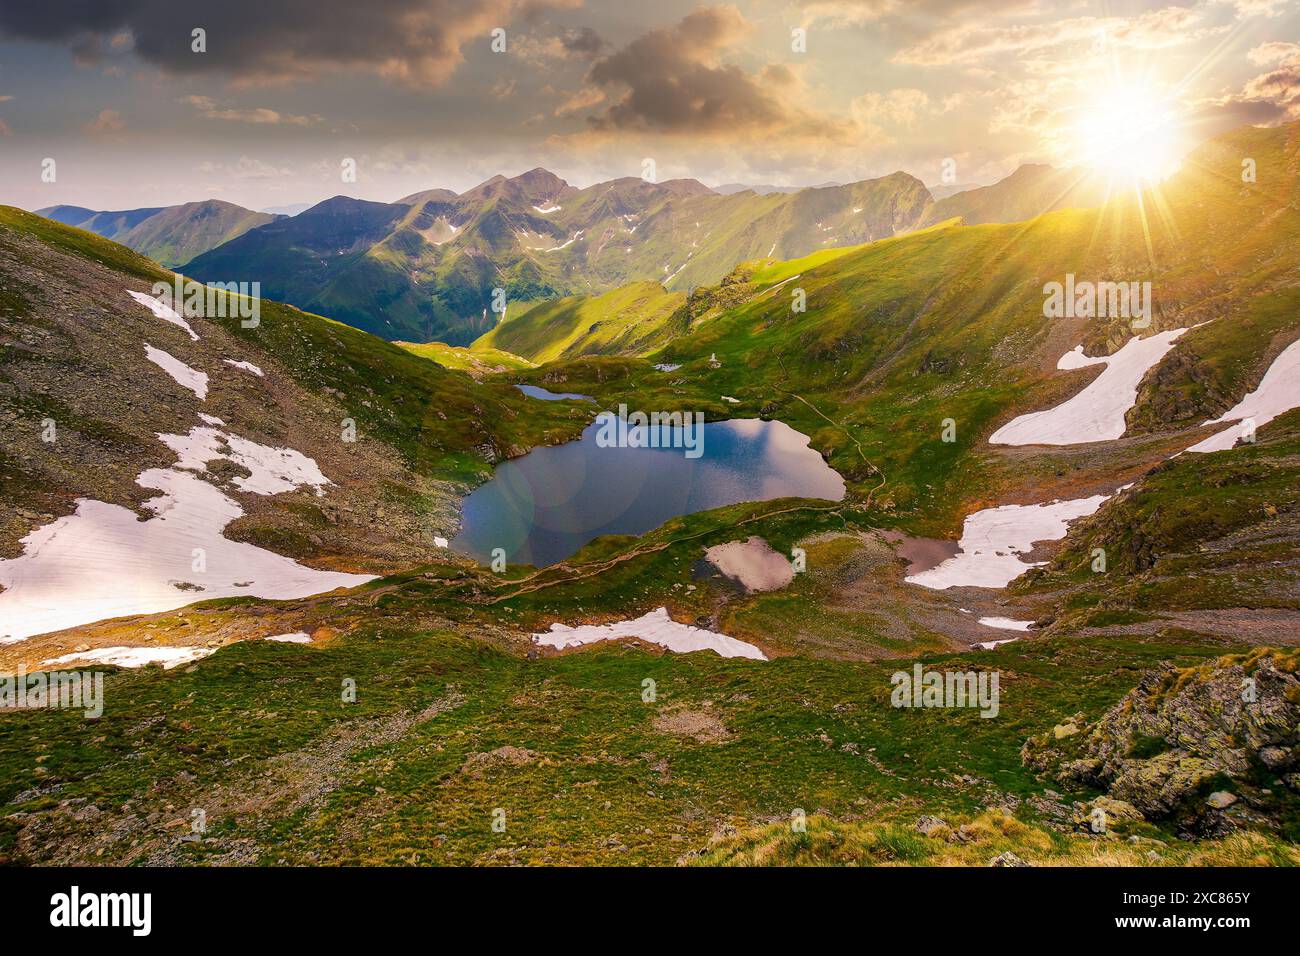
1129,132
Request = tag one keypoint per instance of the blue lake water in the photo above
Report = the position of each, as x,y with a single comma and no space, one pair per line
546,395
544,506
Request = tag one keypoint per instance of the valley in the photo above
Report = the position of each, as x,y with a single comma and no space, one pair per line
941,458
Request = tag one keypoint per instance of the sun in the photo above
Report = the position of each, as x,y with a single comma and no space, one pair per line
1129,132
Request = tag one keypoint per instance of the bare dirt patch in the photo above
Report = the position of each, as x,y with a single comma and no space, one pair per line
701,725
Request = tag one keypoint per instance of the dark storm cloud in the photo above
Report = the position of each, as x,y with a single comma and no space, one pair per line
670,80
416,42
583,43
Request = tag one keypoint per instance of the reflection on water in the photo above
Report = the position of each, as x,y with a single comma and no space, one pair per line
543,507
546,395
921,554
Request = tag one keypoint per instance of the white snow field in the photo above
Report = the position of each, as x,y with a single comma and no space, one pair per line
182,374
656,627
993,540
990,645
273,469
162,311
297,637
168,657
102,561
1006,623
246,366
1278,392
1096,413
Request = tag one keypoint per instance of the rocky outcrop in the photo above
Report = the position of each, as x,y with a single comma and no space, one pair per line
1210,746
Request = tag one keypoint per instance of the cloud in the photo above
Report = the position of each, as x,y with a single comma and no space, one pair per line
246,168
1266,99
899,107
1279,89
581,100
108,124
1256,8
1275,51
416,43
865,11
207,107
673,81
583,43
964,44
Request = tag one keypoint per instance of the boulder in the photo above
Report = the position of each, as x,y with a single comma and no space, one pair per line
930,826
1158,750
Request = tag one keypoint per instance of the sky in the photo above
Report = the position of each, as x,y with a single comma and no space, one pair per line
266,110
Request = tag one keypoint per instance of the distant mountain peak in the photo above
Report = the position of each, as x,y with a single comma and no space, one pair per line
341,203
171,235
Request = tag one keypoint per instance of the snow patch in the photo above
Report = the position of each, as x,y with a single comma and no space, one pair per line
656,627
246,366
992,541
102,561
297,637
168,657
1096,413
576,236
274,470
1006,623
182,374
1278,392
162,311
989,645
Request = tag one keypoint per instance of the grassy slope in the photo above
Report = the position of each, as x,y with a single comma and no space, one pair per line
948,323
179,233
477,361
591,778
1028,192
883,353
436,418
1199,532
627,320
640,318
171,235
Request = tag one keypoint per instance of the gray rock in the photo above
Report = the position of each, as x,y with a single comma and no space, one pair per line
928,825
1275,757
1007,859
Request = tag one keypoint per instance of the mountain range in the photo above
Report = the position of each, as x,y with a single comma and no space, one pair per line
911,351
170,235
428,266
